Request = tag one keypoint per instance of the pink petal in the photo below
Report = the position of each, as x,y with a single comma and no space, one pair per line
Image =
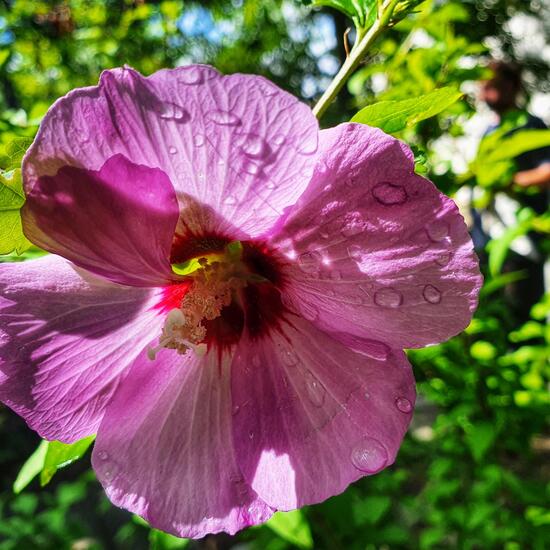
65,344
235,143
118,222
377,251
164,448
313,416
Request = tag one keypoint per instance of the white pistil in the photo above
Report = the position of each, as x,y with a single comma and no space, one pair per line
212,290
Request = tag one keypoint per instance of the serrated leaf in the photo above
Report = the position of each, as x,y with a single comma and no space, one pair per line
13,152
292,527
32,467
11,200
60,455
394,116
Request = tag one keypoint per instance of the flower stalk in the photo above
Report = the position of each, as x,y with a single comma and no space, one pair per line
362,44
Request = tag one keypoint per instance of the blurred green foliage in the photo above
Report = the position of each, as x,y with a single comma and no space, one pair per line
473,471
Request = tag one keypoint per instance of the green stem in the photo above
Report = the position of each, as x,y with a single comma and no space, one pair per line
360,48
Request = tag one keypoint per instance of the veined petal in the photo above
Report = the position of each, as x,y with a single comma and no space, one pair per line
237,143
313,416
117,222
164,448
378,251
66,342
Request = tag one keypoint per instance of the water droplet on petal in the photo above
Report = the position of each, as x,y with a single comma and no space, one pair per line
255,146
354,252
171,111
437,230
230,200
389,193
251,167
309,312
278,139
223,118
376,350
369,455
388,297
235,410
198,140
431,294
103,455
324,234
270,185
289,357
172,150
444,258
250,434
403,404
308,147
315,390
309,262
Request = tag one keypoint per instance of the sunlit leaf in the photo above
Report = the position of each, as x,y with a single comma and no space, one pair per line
292,527
32,467
519,142
60,455
362,12
394,116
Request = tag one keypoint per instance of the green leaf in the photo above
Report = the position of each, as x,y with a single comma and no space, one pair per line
60,455
394,116
32,467
292,527
362,12
519,142
480,437
12,153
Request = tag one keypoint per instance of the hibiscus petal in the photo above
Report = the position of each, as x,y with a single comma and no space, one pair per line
378,252
164,448
313,416
65,344
236,143
118,222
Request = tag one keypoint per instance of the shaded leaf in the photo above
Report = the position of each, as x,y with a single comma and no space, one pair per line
292,527
32,467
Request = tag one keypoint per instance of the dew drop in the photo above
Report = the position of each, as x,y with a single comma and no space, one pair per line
172,150
255,146
444,258
403,404
324,234
250,434
278,139
431,294
223,118
251,167
171,111
308,147
388,297
375,350
235,410
315,390
309,312
369,455
290,359
309,262
230,200
437,230
191,76
103,455
354,252
198,140
389,193
270,185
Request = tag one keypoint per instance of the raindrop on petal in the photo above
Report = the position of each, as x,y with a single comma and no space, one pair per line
255,146
309,262
290,359
437,230
403,404
171,111
198,140
354,252
230,200
103,455
389,193
278,139
444,258
369,455
223,118
388,297
172,150
315,390
431,294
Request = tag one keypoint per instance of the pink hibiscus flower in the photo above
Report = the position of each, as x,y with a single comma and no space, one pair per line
272,375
